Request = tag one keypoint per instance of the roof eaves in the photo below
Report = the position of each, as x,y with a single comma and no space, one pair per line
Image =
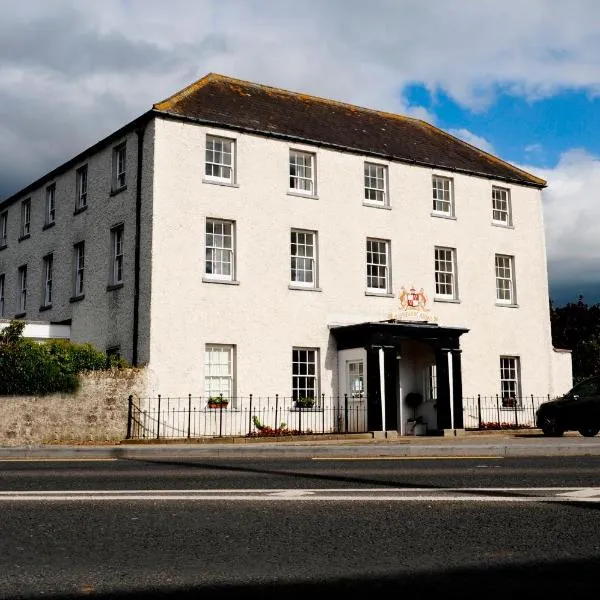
354,150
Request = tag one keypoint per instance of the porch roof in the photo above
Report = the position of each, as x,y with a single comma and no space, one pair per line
392,333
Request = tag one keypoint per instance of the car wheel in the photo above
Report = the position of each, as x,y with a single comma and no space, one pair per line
551,428
589,431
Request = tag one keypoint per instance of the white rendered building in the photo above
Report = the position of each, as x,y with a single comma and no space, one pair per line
240,239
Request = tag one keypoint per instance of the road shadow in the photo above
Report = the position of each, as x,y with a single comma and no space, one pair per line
562,579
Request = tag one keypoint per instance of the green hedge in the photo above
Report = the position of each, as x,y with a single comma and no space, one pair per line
31,368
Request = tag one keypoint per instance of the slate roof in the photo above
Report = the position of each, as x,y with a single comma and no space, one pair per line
223,101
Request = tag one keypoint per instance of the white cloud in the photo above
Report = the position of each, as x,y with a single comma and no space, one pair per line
471,138
572,217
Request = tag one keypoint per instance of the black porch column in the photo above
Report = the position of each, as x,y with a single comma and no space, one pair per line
457,389
443,388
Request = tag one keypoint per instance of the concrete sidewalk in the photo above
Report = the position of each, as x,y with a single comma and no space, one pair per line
475,444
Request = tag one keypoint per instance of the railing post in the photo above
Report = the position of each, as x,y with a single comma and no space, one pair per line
276,424
479,411
517,400
498,410
221,416
250,417
158,420
129,416
299,408
323,413
189,415
345,413
533,410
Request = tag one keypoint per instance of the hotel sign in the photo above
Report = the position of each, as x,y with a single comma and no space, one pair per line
412,306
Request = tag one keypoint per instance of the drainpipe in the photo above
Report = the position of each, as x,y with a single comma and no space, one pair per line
138,227
382,387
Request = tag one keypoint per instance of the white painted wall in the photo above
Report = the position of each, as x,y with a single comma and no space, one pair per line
264,319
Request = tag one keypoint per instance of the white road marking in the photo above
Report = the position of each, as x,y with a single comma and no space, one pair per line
507,494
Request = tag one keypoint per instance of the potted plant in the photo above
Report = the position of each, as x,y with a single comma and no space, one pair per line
218,402
414,400
305,402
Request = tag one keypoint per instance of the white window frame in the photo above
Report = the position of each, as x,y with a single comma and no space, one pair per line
305,374
219,371
442,195
50,204
116,242
26,217
376,184
79,269
2,291
22,288
504,266
501,206
430,383
4,229
218,151
48,268
445,273
510,381
302,173
303,258
81,186
119,167
376,270
217,253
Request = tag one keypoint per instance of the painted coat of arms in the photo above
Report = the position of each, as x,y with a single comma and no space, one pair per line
413,306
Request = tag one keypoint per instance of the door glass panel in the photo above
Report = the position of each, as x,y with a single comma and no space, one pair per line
355,380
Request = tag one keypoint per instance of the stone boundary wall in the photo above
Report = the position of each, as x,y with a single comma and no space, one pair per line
97,412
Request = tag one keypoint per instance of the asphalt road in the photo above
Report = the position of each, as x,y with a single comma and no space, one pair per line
239,528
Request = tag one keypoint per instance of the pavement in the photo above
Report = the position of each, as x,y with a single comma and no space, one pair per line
452,444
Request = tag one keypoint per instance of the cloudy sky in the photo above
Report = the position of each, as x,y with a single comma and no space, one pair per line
519,78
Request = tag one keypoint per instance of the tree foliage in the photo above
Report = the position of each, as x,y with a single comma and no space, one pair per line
32,368
576,327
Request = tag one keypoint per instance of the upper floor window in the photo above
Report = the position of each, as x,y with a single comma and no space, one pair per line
219,370
47,291
116,235
505,279
376,184
219,244
445,274
303,253
220,158
302,172
82,184
378,266
305,374
510,384
443,195
2,284
501,206
22,288
119,166
26,217
3,229
79,266
50,204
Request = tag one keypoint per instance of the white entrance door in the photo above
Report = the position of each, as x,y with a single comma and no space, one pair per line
353,390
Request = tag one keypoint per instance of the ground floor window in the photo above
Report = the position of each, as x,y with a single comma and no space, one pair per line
305,380
219,370
510,385
431,383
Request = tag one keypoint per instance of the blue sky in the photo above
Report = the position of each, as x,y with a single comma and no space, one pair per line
520,130
518,79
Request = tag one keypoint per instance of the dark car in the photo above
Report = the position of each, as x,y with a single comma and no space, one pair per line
577,410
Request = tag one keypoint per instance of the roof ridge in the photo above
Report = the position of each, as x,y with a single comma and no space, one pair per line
210,77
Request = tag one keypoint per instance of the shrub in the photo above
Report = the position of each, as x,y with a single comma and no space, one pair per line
28,367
